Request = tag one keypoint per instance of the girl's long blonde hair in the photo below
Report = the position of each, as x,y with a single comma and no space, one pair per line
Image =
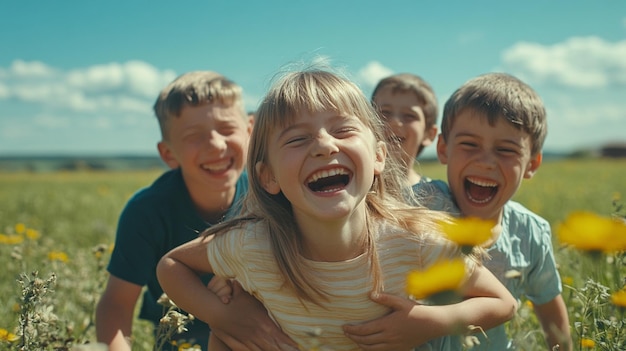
311,91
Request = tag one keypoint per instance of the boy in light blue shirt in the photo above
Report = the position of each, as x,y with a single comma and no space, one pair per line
493,129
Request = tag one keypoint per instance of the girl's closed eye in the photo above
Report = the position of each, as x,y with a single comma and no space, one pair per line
345,131
296,140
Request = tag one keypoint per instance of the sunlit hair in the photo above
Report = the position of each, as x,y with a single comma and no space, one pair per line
408,82
194,89
308,92
499,95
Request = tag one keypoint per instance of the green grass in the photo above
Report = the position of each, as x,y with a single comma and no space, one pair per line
76,214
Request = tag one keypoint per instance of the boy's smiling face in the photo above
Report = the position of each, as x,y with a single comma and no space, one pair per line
485,164
209,143
402,112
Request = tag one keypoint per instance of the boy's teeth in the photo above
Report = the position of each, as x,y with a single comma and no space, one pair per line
216,167
482,182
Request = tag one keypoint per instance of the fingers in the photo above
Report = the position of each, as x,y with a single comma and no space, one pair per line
222,288
393,301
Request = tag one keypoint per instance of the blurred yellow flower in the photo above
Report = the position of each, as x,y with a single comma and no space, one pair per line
567,280
58,256
468,231
5,335
529,304
619,298
587,343
11,239
32,234
20,228
441,277
591,232
185,346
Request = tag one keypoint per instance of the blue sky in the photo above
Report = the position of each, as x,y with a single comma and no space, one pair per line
80,77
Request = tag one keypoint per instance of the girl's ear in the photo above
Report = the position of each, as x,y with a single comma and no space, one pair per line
442,150
533,165
381,155
266,177
167,155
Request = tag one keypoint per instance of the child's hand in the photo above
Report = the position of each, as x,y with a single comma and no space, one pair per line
221,287
244,324
395,331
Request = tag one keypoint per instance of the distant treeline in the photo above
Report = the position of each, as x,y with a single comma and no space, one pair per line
77,163
142,162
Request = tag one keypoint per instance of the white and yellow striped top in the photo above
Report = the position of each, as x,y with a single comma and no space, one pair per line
245,254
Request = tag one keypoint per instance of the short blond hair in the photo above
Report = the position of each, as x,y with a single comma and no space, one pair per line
193,89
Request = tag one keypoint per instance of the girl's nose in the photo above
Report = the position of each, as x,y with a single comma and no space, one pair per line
324,145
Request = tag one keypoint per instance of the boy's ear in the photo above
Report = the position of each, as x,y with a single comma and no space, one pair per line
442,150
381,155
266,177
167,155
430,135
533,165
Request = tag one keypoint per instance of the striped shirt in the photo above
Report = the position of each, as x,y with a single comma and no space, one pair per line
245,254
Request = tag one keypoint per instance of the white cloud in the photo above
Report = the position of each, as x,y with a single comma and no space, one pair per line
33,69
579,62
117,87
4,91
372,73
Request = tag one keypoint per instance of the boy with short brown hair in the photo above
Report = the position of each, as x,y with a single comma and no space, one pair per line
492,134
205,133
408,106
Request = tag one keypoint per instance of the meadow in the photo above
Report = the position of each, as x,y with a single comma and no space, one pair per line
57,231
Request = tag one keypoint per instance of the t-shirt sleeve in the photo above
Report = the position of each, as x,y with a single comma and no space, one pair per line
543,281
135,253
436,196
227,255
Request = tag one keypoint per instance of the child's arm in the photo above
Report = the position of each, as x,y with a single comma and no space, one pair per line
115,312
555,323
243,323
179,272
487,304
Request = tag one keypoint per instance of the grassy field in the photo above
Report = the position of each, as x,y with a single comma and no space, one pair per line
62,226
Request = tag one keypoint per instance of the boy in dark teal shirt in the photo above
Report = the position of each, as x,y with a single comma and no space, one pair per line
205,132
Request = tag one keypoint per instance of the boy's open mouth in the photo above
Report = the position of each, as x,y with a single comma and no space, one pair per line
218,167
480,191
329,180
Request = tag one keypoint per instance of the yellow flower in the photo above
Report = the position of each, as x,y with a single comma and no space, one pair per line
32,234
468,231
7,336
587,343
591,232
58,256
20,228
567,280
529,304
443,276
10,239
619,298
